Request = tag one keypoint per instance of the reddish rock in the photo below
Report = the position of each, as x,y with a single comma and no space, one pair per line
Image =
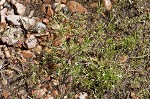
76,7
48,10
6,93
27,54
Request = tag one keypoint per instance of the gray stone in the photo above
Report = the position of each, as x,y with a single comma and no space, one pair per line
39,27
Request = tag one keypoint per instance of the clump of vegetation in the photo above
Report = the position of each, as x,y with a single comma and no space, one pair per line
105,57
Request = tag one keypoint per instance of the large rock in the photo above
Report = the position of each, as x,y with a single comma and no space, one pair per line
28,23
19,20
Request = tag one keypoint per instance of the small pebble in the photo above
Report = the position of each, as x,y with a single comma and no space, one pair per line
107,4
38,49
31,42
7,53
45,21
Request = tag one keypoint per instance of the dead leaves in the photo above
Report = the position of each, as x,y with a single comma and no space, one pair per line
45,90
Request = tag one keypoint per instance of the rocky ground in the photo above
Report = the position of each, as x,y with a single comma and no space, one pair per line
47,47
